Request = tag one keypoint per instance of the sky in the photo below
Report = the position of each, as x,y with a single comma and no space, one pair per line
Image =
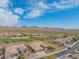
42,13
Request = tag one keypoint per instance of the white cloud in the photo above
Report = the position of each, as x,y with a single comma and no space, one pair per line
38,10
61,5
4,3
19,11
7,18
34,13
41,7
65,4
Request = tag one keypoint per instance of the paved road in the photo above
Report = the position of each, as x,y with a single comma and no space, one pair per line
63,52
66,51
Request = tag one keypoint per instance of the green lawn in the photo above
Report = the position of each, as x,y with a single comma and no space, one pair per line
8,40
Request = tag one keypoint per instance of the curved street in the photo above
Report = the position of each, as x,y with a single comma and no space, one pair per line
63,52
68,50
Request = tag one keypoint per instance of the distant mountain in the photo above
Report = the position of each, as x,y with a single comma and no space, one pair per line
35,29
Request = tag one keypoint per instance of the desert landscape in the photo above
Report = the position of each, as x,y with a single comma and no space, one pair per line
35,42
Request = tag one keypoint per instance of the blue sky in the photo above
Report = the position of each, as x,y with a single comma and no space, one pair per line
43,13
